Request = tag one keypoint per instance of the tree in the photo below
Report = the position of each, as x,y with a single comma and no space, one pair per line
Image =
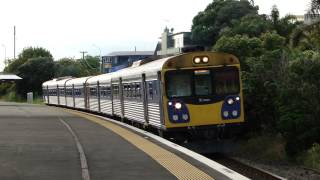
23,57
34,72
220,14
251,25
240,45
34,65
68,67
299,103
315,7
283,26
77,68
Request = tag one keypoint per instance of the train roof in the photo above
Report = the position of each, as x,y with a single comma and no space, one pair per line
78,81
150,69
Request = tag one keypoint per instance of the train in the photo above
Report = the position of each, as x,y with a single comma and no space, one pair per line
191,94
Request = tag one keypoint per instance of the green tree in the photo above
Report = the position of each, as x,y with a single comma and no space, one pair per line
34,72
315,6
283,26
240,45
299,103
251,25
68,67
220,14
77,68
34,65
23,57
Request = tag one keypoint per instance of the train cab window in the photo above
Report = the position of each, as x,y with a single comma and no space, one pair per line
178,84
226,82
203,82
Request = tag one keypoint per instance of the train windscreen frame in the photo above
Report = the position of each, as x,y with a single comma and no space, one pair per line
215,83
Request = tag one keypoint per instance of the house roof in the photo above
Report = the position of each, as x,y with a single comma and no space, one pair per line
131,53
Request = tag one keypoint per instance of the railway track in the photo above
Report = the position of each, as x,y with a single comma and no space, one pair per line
244,169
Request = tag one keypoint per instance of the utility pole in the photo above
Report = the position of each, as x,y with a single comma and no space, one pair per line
14,42
83,52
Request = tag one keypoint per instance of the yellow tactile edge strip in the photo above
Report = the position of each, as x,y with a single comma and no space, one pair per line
173,163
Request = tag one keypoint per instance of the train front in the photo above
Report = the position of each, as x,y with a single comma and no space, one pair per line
203,94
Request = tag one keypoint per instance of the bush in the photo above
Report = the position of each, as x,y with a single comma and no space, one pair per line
299,103
312,157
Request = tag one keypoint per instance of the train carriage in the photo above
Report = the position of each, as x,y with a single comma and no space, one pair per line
197,91
61,88
79,93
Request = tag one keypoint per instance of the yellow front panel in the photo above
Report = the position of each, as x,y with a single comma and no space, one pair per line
205,114
202,115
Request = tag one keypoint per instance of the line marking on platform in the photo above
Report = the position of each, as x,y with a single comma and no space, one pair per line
83,159
173,163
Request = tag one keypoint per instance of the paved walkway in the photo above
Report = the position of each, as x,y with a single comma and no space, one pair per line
35,143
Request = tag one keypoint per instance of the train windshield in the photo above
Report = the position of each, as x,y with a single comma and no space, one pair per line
204,82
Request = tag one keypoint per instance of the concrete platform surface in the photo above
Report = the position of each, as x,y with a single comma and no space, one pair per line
36,144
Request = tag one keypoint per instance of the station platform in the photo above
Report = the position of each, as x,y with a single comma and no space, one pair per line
41,142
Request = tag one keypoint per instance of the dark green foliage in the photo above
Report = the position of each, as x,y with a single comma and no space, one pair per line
252,25
34,65
220,14
315,6
34,72
77,68
26,54
283,26
241,46
299,108
68,67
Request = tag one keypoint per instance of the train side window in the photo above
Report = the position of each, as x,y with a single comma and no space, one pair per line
138,90
150,89
108,91
93,92
125,90
132,90
115,89
155,87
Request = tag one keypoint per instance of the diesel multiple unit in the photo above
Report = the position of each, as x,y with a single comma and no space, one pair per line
197,91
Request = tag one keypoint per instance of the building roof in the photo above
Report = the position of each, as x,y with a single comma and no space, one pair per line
9,77
131,53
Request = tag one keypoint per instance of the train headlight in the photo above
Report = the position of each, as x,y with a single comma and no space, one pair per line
225,114
234,113
237,98
197,60
185,117
178,105
170,103
205,59
175,117
230,101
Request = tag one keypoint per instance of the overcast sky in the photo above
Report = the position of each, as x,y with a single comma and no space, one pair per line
66,27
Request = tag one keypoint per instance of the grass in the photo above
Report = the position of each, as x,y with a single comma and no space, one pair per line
264,148
311,158
13,97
